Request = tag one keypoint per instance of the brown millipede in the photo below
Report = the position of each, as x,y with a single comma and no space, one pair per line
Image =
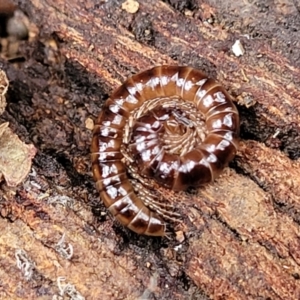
173,124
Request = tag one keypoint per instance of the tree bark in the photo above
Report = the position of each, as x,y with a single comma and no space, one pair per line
241,233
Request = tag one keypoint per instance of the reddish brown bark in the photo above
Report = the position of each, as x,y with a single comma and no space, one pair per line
241,232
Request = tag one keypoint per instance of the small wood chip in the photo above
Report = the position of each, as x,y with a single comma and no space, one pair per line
180,236
131,6
89,124
238,48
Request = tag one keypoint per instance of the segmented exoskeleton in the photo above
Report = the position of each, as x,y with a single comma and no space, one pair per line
169,97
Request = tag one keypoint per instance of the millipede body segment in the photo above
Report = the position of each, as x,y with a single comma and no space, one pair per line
150,116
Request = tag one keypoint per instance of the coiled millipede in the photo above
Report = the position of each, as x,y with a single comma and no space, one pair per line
170,123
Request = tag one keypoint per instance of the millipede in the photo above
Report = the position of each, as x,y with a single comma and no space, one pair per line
172,124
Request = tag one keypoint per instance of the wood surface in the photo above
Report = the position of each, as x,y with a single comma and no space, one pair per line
240,237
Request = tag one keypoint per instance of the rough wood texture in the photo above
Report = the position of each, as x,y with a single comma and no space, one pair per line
242,238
